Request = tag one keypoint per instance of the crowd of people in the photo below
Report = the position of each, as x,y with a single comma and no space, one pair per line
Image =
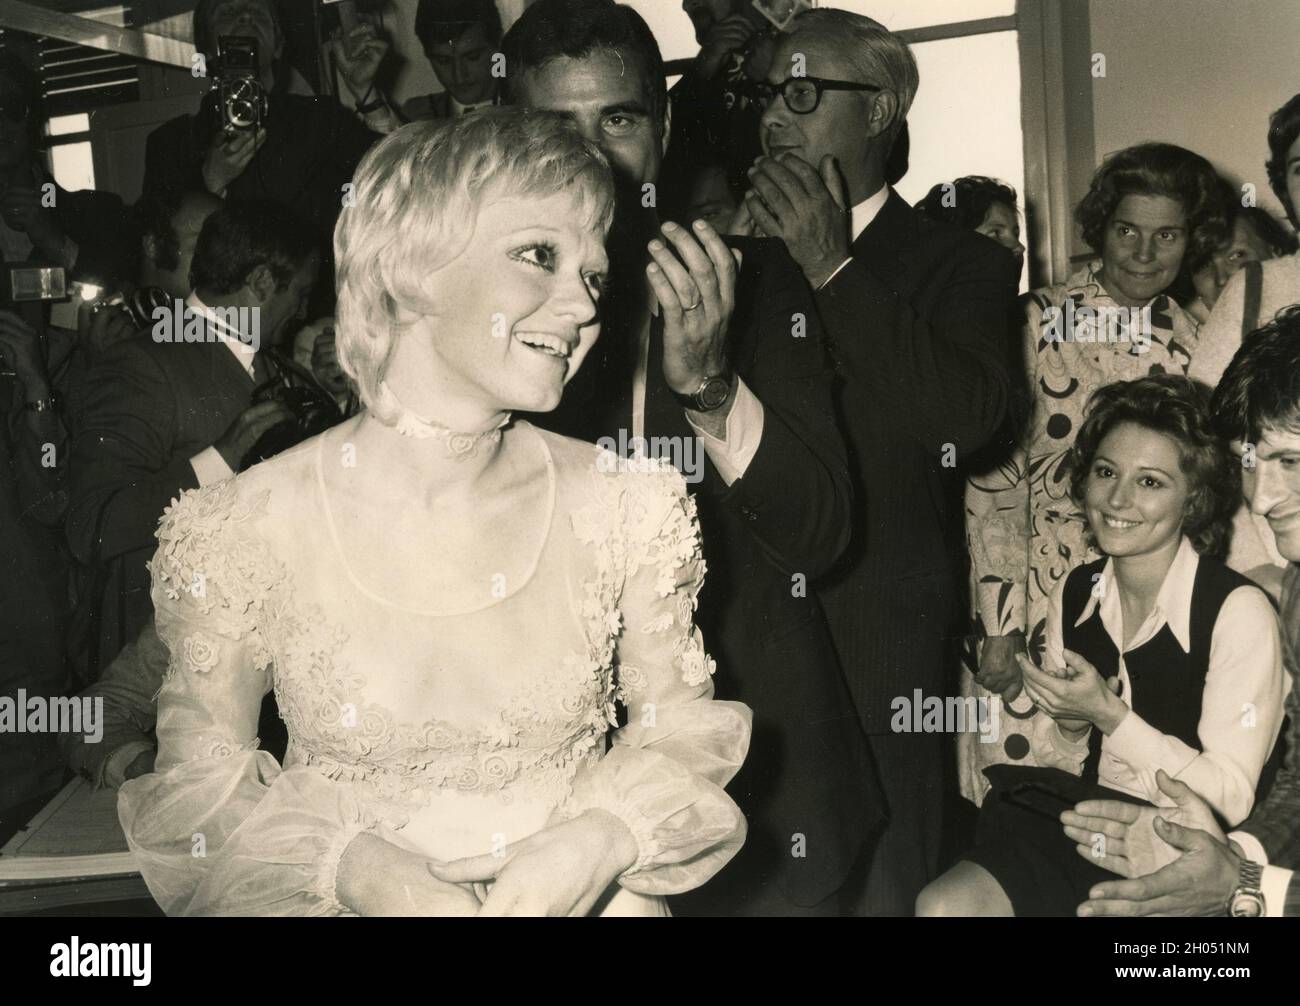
392,559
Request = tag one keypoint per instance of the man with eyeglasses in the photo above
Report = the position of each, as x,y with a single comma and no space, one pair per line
916,315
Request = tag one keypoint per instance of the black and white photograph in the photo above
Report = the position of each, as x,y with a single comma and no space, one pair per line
707,459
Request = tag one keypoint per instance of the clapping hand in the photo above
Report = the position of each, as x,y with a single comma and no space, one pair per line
725,37
806,208
1178,861
562,870
696,295
1076,695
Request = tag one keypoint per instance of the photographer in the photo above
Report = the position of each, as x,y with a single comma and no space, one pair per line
301,152
167,413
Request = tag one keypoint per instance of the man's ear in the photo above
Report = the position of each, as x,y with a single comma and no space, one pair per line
260,282
668,126
883,109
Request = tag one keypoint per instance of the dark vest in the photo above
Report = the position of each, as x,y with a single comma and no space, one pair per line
1167,683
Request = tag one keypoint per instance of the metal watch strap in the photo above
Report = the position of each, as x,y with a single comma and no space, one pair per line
1249,891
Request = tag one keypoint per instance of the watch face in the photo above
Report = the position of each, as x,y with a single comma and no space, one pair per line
1246,904
714,392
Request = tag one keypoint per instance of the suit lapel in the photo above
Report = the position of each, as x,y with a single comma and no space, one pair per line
885,241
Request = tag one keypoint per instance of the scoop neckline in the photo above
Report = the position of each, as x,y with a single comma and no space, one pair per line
438,612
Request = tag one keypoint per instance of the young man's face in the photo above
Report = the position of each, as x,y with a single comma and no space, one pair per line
464,66
1272,487
604,95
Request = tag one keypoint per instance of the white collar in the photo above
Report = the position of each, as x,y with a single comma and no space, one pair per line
1173,603
234,340
865,212
457,109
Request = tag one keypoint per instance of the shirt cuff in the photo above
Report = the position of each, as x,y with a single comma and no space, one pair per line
732,454
113,773
1274,887
209,467
1251,846
838,268
1141,745
382,120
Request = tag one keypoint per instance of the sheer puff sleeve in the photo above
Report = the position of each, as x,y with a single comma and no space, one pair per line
664,771
219,828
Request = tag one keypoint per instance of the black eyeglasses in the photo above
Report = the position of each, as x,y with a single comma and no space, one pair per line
802,94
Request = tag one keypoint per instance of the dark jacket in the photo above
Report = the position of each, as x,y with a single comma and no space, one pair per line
767,537
916,323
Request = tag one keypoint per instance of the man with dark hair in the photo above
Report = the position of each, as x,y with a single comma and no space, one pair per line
459,39
916,314
170,221
1254,870
725,367
174,411
308,147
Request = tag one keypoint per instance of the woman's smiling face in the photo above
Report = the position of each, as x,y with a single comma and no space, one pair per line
516,313
1137,492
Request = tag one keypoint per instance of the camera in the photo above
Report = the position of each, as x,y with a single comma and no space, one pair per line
36,283
241,98
312,408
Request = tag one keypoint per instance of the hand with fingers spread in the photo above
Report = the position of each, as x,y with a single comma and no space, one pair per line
1076,695
232,150
1200,881
806,207
564,869
1131,844
696,291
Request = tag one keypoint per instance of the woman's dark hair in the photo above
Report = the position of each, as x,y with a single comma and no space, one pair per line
1260,390
575,29
153,214
1280,240
238,237
1179,408
447,20
1283,128
1157,169
971,198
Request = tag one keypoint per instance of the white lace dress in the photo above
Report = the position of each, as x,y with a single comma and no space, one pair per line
451,730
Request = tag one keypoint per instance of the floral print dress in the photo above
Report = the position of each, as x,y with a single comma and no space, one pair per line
1024,531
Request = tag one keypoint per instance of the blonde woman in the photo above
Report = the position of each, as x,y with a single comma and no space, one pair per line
447,604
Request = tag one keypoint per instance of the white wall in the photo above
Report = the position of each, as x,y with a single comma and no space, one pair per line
1204,74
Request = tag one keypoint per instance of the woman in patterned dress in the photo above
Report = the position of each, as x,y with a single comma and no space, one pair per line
1148,209
447,604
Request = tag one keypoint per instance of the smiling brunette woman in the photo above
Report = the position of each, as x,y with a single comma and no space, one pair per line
1158,657
1148,209
444,646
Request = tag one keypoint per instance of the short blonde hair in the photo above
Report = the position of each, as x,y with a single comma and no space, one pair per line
415,201
878,55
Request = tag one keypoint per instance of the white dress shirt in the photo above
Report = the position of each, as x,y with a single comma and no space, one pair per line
209,466
860,218
1241,701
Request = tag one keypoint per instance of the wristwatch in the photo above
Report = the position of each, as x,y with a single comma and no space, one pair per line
711,395
1248,899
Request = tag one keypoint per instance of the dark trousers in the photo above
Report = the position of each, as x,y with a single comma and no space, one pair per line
906,854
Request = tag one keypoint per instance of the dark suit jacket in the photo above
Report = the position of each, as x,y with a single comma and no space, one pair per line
149,408
809,771
917,324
